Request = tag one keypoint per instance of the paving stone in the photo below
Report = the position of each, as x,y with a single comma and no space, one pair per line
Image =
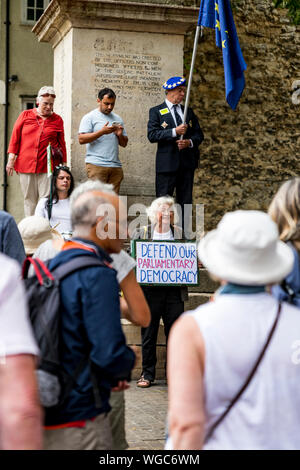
195,300
145,416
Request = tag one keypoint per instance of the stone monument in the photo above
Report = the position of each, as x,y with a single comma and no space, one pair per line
131,47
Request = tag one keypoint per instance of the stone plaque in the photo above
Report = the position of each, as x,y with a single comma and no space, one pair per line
128,73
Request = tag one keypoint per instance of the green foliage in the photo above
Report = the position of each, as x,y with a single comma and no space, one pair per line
293,7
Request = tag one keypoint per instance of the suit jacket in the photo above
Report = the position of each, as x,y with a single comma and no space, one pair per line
168,157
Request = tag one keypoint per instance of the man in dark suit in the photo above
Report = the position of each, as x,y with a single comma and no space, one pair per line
176,159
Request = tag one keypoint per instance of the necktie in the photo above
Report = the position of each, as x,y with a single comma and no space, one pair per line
177,115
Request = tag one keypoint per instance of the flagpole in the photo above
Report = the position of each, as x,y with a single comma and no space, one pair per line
187,97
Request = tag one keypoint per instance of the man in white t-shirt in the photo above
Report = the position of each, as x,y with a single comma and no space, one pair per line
20,412
103,131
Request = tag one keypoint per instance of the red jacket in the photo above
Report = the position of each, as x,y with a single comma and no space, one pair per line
30,138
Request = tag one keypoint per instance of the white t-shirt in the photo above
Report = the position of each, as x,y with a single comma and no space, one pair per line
103,151
60,215
122,262
163,236
16,335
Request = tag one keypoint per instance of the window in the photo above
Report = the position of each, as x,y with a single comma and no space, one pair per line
28,102
33,10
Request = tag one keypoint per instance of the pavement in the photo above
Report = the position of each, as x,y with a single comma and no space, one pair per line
145,416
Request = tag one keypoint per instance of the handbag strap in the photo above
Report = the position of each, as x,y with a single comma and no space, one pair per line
249,378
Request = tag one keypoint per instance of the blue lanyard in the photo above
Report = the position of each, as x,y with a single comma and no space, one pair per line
231,288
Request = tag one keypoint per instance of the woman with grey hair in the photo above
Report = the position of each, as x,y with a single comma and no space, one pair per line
166,302
163,216
33,131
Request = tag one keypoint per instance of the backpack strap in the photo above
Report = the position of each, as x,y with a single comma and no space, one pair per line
45,277
41,271
80,262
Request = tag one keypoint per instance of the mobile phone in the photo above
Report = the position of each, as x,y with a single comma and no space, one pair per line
116,123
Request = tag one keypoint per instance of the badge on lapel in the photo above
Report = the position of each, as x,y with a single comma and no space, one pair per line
164,111
164,124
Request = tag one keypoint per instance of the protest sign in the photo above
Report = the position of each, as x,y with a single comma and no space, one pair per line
166,262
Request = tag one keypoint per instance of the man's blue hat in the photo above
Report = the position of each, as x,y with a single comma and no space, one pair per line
174,82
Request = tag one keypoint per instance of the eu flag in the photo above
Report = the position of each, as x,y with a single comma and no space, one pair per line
217,14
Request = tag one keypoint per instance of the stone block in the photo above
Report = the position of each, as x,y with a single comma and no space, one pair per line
195,300
133,333
160,365
206,284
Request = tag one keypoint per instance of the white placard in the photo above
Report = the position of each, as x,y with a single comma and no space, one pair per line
166,262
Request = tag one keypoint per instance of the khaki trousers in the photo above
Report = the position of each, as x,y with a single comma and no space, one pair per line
95,435
117,420
34,186
106,174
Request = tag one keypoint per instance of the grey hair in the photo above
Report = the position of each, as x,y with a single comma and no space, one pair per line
84,209
155,205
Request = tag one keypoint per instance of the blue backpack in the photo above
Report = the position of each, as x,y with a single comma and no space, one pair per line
43,297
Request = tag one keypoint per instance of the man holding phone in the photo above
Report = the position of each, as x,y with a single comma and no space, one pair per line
103,131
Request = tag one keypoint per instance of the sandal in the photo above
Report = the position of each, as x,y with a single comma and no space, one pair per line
143,383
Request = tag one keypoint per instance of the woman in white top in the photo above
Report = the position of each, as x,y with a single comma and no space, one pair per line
57,210
213,349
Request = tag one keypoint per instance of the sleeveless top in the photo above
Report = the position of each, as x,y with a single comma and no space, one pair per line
235,328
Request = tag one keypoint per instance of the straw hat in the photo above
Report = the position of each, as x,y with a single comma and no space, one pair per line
245,249
34,231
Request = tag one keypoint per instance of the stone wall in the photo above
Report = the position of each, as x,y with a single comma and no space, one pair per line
247,153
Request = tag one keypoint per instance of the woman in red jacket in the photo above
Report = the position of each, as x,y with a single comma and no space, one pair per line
33,131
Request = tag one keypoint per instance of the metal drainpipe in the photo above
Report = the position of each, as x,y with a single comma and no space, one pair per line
4,184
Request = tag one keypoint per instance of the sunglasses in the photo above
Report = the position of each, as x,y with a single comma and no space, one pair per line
46,95
62,167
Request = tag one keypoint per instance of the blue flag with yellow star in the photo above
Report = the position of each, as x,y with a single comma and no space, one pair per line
217,14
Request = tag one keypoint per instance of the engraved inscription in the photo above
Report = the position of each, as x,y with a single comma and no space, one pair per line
128,73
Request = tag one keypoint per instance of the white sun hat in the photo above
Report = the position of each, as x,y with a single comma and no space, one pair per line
34,231
46,90
245,249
